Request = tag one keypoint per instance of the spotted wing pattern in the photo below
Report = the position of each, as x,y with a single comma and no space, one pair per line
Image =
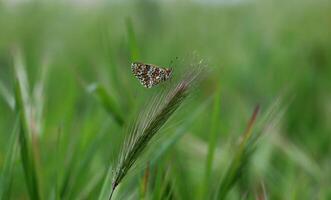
150,75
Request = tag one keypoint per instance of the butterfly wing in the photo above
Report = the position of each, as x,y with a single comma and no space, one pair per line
141,71
158,75
150,75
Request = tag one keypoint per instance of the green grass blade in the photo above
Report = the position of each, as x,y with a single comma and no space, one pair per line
81,168
57,171
108,102
105,190
159,182
91,186
212,140
75,175
240,159
134,50
106,43
7,171
144,183
7,96
28,162
38,98
298,155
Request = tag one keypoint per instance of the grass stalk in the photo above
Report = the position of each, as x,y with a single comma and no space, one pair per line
212,141
108,102
134,50
240,159
27,156
148,124
7,96
7,170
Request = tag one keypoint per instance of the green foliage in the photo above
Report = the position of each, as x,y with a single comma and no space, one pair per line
240,159
68,97
134,49
27,152
215,121
108,102
9,164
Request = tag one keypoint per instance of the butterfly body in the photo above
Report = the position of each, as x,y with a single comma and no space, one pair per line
150,75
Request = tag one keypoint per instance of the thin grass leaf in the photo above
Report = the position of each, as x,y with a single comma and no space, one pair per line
134,50
144,183
151,120
91,186
240,159
181,186
104,193
261,193
58,166
55,191
83,165
20,71
159,178
28,143
162,182
212,141
106,43
9,99
7,171
38,99
108,102
23,83
248,145
298,155
27,155
75,175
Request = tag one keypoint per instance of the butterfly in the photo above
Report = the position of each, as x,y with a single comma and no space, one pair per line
150,75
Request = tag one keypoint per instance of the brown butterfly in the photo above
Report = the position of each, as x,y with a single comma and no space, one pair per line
150,75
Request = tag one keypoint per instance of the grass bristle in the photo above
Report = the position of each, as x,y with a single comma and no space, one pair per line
149,122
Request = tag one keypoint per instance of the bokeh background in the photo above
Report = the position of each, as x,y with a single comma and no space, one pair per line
76,58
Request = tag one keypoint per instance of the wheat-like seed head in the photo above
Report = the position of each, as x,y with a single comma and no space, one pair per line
150,121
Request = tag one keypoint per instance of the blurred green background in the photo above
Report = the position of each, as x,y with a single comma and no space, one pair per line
77,60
